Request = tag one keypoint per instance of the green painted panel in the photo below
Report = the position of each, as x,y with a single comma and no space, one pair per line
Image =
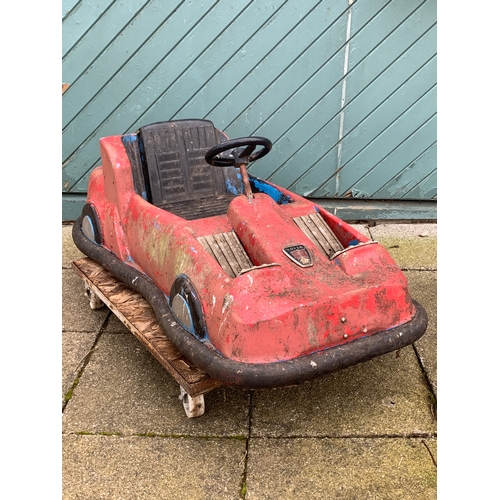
414,181
132,112
142,71
365,210
384,51
359,135
390,166
72,205
381,86
302,25
411,75
268,111
274,33
386,142
319,153
232,61
426,188
250,45
347,93
364,12
294,124
68,6
97,37
385,28
154,17
83,15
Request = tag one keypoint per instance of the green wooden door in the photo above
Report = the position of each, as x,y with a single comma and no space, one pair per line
345,90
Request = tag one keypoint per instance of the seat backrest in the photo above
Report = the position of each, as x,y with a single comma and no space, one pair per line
174,157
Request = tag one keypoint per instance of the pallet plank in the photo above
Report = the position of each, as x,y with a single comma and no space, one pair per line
138,316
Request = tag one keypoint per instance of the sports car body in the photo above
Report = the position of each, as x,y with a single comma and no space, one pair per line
257,286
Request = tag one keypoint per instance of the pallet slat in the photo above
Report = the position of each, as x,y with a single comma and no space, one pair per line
138,316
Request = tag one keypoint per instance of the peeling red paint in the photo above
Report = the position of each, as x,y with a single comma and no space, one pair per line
268,314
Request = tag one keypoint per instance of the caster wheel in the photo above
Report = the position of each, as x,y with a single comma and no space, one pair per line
94,300
194,407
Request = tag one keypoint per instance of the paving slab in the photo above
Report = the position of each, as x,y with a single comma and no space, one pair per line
145,468
366,432
386,396
412,246
77,316
423,288
124,390
405,230
114,325
75,348
69,250
363,229
381,469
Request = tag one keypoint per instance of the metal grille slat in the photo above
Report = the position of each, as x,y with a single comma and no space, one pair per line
206,246
310,230
228,251
318,231
228,254
326,232
238,250
219,255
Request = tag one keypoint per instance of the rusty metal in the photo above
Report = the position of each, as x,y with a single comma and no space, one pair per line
246,181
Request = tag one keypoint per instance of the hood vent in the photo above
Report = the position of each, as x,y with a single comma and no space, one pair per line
319,232
228,251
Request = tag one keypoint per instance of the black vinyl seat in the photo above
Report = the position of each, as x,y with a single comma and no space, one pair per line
170,171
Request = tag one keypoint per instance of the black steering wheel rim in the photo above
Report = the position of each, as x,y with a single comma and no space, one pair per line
212,154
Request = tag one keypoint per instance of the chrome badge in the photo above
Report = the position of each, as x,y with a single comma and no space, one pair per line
299,254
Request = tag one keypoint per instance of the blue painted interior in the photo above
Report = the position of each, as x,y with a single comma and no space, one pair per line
231,188
260,186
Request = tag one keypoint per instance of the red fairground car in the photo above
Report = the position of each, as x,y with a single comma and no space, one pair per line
254,284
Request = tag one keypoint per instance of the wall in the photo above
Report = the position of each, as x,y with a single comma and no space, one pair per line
345,90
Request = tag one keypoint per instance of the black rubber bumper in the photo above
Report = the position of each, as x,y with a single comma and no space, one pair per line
252,375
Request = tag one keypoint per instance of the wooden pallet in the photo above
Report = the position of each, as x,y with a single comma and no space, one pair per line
138,316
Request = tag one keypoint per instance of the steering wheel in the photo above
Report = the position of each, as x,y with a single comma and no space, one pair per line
242,152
